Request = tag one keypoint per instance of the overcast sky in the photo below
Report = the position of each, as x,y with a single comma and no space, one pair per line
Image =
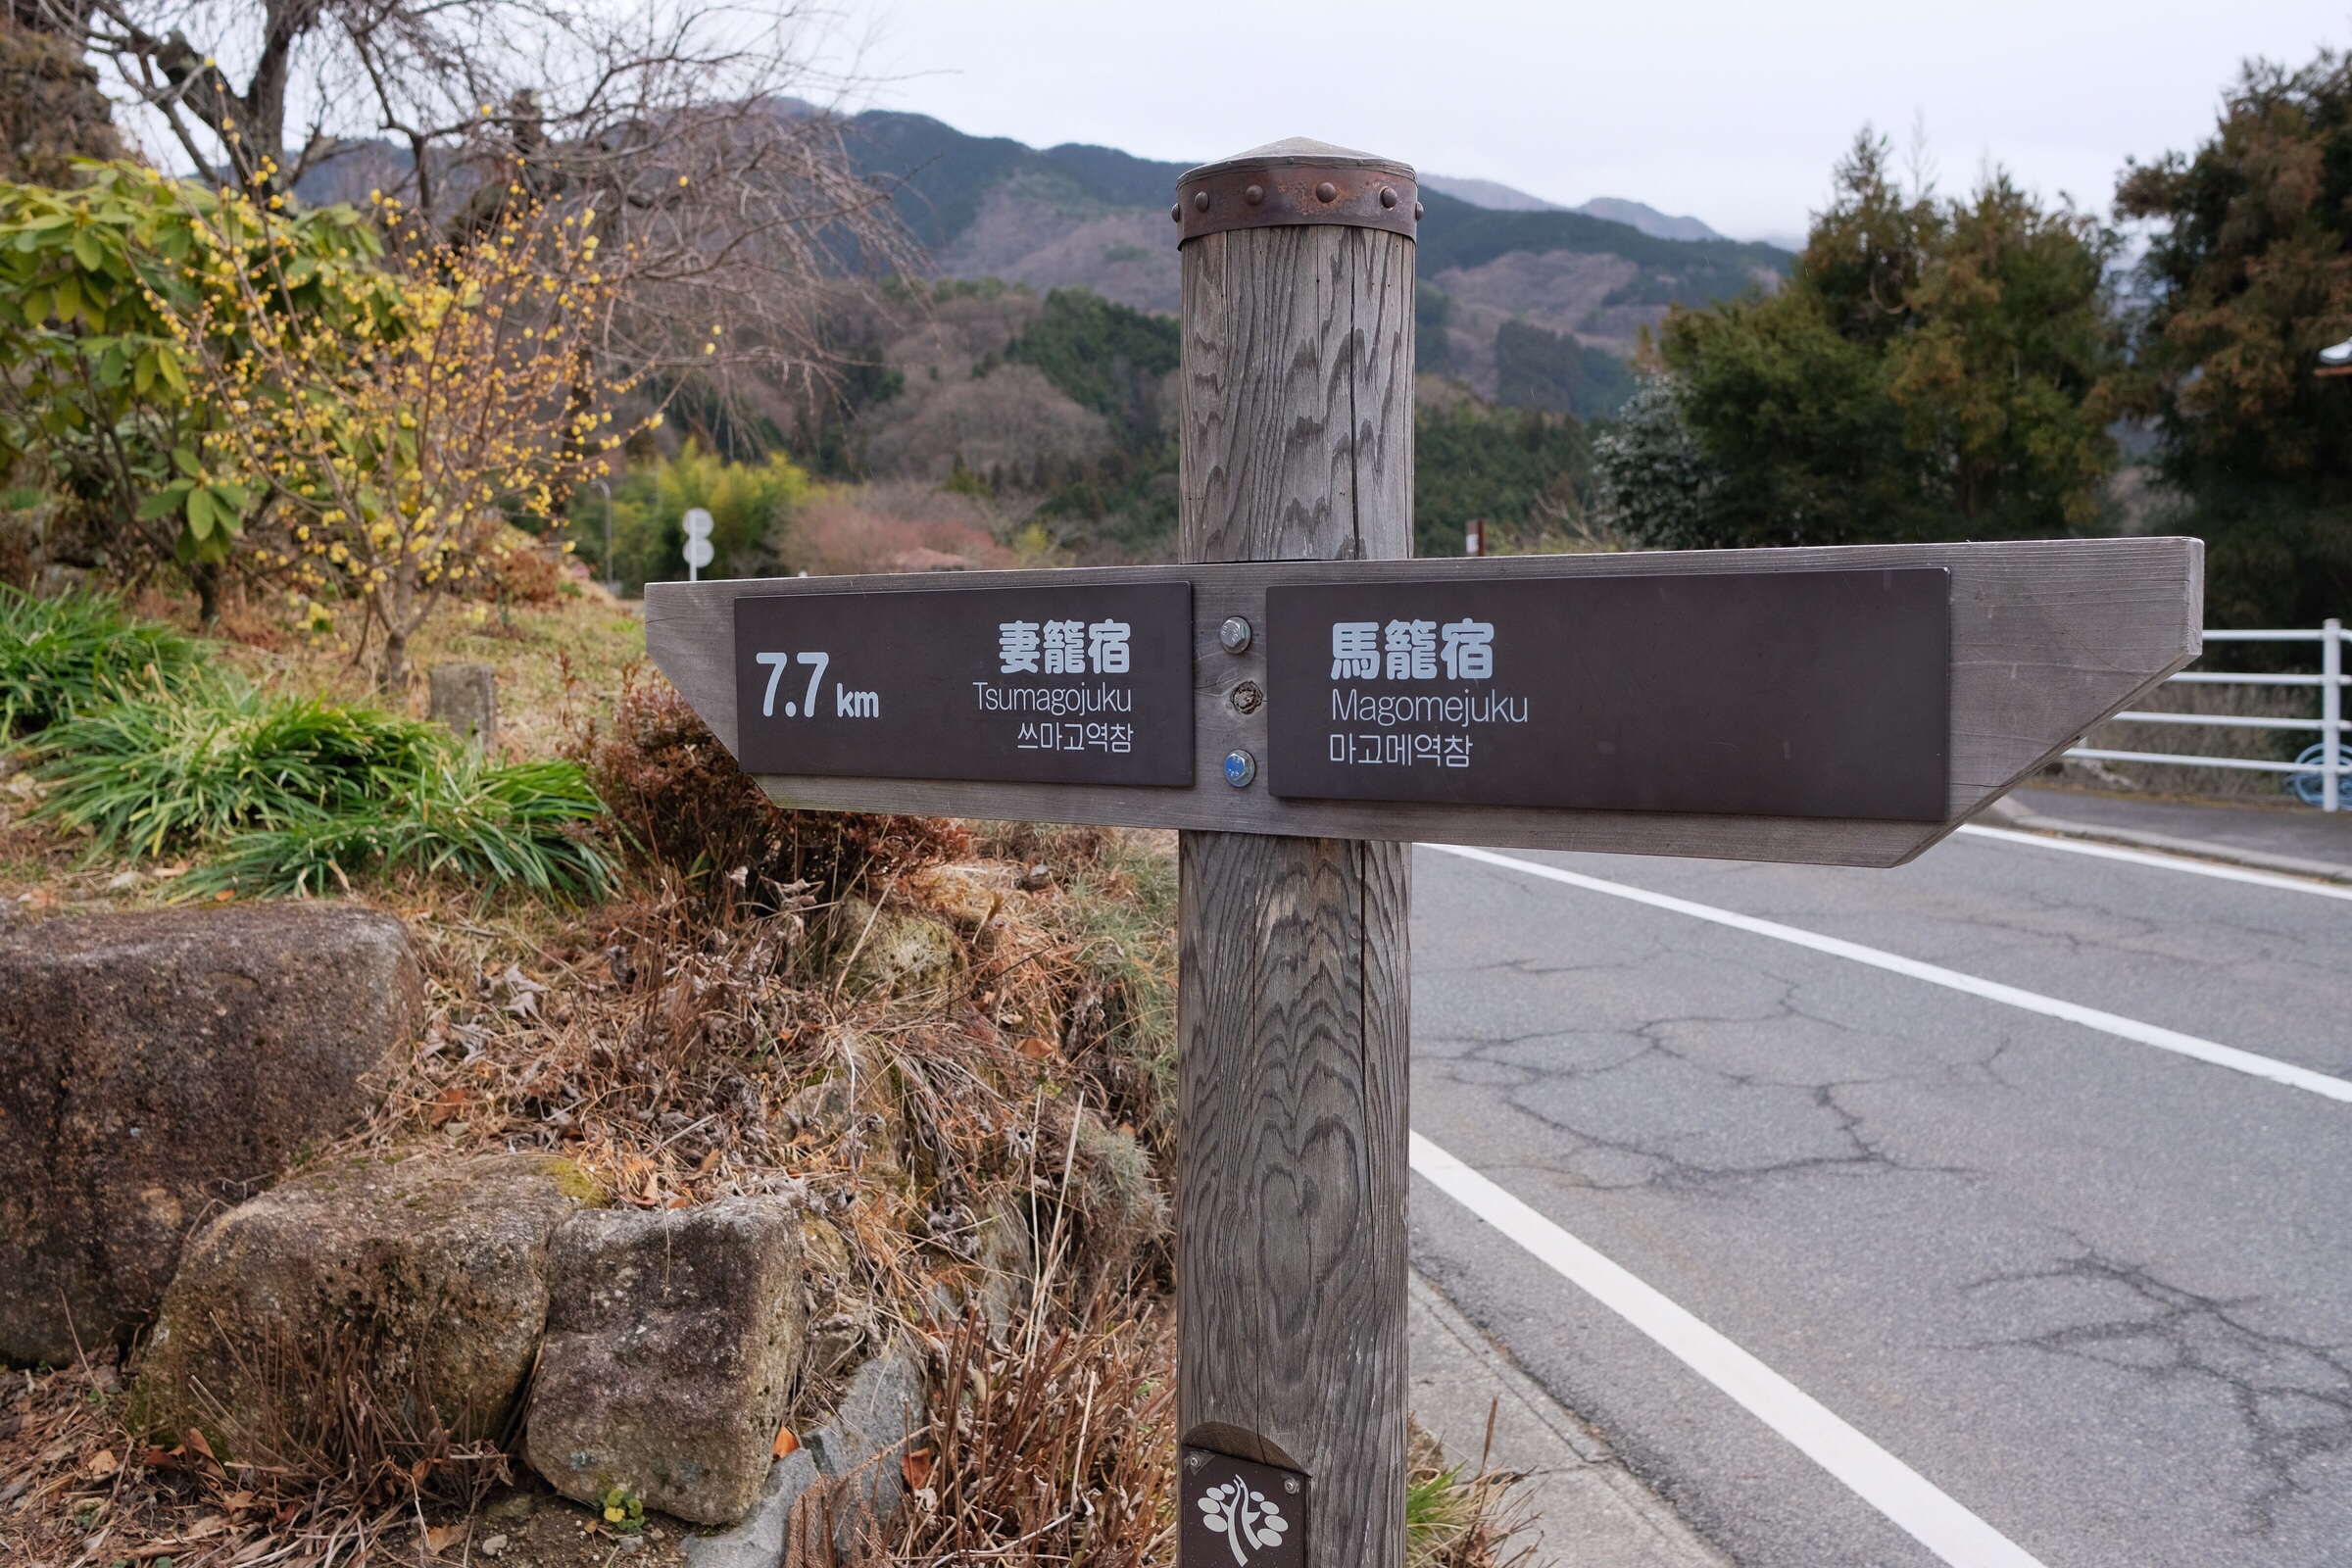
1731,112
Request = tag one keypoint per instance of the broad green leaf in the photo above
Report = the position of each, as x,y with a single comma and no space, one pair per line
87,250
200,514
165,502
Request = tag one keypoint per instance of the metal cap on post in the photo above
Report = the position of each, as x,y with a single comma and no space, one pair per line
1285,184
1295,445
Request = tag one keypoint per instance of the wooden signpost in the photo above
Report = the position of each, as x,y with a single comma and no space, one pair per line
1304,702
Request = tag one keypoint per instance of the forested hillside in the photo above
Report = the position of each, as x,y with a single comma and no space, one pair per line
1094,218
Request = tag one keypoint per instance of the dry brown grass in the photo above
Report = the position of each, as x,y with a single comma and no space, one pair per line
1051,1443
979,1166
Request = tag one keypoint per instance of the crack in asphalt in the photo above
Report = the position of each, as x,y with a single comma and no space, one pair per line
2292,1397
1655,1164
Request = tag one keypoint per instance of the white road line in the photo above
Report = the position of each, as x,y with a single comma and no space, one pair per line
1877,1477
2145,1034
2166,863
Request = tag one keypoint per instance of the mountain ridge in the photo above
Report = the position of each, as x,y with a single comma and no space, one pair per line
1575,289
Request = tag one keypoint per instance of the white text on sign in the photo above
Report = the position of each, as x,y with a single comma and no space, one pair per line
1412,650
1063,647
847,703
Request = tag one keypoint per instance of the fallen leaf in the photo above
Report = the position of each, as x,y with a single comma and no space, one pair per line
236,1501
445,1536
445,1105
916,1468
787,1443
1036,1048
196,1442
102,1464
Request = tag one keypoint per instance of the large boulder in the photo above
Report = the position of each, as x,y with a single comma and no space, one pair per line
154,1067
422,1283
673,1340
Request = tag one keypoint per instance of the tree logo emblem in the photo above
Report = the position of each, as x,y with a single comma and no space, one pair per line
1245,1518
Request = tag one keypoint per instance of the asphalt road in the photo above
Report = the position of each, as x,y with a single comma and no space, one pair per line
2094,1292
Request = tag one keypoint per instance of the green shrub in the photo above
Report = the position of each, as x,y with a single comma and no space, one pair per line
62,656
751,507
458,816
157,771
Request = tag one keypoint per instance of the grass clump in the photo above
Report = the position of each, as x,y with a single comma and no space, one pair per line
299,794
693,814
66,656
1454,1519
455,816
156,771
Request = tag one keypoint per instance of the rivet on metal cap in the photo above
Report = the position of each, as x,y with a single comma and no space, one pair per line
1416,211
1240,769
1327,192
1176,212
1199,201
1254,194
1388,195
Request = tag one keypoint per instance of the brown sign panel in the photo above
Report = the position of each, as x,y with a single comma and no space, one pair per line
1236,1513
1085,684
1795,694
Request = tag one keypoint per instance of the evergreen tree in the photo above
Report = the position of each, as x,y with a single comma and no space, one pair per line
2248,277
1933,368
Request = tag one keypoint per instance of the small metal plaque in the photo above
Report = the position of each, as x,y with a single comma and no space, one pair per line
1806,694
1089,684
1237,1513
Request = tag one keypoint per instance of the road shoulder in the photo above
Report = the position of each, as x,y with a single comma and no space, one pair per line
1587,1508
2012,812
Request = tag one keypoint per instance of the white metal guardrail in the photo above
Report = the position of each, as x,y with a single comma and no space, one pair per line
2320,774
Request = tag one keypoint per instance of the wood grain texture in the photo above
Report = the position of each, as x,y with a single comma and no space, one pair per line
1293,1001
1296,408
1290,1243
2049,637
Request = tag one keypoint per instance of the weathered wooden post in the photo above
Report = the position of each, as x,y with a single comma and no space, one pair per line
1298,445
1299,701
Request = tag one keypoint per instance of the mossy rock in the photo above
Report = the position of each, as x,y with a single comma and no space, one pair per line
896,954
422,1282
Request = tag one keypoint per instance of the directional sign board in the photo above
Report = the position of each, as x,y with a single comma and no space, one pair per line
1841,706
1086,684
1822,694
